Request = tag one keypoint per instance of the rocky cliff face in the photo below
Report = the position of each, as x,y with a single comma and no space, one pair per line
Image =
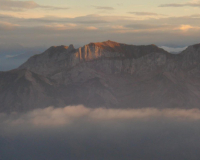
106,74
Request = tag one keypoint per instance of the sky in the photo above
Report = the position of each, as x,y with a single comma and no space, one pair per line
172,23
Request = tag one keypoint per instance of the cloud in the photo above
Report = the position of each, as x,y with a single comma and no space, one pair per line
25,5
6,26
172,49
147,26
52,30
104,7
91,28
88,19
61,116
77,132
145,13
188,4
186,27
60,27
53,7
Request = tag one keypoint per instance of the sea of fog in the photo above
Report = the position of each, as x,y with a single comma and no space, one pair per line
80,133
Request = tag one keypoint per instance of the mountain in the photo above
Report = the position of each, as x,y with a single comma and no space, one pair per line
23,90
106,74
111,57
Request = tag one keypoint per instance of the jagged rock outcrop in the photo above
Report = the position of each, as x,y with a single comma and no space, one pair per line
106,74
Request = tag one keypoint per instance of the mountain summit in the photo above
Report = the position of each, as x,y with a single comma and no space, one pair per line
105,74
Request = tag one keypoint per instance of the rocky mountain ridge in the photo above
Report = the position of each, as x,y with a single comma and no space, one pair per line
122,56
106,74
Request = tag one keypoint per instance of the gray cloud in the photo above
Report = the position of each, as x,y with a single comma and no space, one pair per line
24,5
53,7
146,26
172,5
89,19
104,7
189,4
80,133
145,13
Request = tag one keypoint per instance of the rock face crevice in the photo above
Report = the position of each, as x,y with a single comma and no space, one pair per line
106,74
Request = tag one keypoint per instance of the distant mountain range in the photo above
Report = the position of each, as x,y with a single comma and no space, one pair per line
13,55
106,74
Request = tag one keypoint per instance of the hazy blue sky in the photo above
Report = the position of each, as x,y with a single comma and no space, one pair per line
50,22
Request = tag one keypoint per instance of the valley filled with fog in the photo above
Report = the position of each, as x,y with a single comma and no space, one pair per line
80,133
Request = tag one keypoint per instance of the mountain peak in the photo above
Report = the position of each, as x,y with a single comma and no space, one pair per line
105,44
110,46
115,45
61,48
68,57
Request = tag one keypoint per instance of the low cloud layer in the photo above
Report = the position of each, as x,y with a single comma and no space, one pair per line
63,116
80,133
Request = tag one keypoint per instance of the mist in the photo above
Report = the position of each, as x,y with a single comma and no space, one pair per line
81,133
